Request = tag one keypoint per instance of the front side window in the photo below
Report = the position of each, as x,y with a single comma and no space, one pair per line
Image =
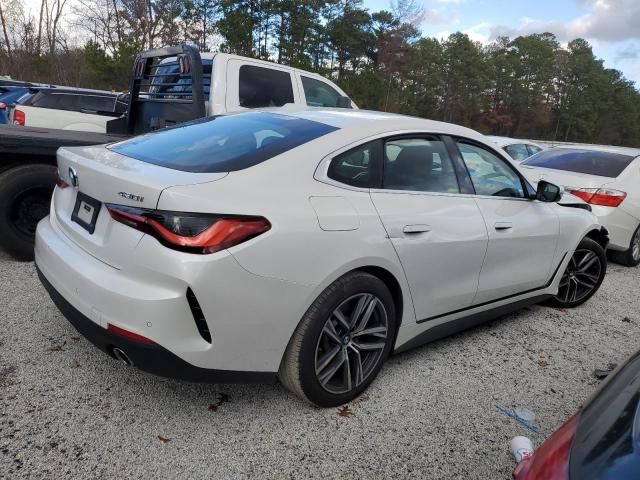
490,174
223,144
319,94
517,151
419,164
354,167
264,87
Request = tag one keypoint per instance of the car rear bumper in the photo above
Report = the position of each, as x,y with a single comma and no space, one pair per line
619,224
149,358
250,318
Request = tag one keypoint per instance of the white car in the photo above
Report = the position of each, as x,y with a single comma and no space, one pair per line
608,178
517,149
305,246
69,109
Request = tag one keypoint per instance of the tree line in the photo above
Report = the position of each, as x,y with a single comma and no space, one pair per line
530,86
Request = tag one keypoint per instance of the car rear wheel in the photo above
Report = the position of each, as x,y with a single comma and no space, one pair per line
583,276
631,257
342,341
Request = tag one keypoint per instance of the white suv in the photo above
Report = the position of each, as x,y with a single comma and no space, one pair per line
69,109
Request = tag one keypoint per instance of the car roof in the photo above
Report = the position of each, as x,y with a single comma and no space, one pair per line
372,123
504,141
80,91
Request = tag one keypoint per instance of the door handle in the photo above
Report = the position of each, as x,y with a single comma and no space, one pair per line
503,225
411,229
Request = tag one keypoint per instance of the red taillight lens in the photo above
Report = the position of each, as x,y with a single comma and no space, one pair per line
19,117
191,232
129,335
551,460
60,182
605,197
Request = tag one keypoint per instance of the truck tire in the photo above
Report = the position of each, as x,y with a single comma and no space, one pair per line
25,198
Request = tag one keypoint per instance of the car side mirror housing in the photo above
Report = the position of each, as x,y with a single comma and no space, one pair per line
344,102
548,192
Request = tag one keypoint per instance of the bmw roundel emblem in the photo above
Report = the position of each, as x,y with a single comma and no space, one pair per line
73,176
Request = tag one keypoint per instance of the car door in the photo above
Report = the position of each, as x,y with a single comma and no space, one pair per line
523,232
437,232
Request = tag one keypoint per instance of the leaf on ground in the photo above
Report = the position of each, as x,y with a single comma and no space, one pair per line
222,398
626,320
163,439
75,339
542,363
57,347
75,364
345,412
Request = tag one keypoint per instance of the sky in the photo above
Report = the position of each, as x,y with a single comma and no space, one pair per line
612,27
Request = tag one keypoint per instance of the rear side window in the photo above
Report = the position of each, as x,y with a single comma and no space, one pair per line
223,144
533,149
319,94
419,164
590,162
264,87
517,151
97,103
354,167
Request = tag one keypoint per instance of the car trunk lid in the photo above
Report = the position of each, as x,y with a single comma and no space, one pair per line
97,176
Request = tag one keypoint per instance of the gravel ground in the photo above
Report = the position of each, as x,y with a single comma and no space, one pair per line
68,410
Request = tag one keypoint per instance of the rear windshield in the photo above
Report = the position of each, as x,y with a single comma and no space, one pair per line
223,144
591,162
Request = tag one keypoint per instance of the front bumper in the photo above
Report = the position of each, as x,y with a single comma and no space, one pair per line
149,358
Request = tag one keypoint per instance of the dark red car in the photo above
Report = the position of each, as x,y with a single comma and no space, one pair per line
601,441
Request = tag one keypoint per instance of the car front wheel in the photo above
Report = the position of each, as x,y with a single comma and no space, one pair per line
583,276
342,341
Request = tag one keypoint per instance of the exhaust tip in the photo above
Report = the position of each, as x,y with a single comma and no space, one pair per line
121,356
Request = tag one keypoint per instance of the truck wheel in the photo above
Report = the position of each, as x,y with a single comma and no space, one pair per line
25,197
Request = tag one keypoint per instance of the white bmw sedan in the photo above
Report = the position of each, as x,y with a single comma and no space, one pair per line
607,178
305,246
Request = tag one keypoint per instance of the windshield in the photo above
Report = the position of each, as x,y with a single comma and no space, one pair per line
223,144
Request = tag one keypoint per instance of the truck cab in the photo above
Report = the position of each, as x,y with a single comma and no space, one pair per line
176,84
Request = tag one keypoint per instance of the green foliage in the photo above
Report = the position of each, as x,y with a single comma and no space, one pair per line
529,86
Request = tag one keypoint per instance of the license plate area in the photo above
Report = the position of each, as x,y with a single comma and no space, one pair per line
85,212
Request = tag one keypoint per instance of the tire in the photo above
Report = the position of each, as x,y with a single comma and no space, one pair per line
631,257
303,369
25,198
583,276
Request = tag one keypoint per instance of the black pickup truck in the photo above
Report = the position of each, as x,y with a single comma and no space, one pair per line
28,155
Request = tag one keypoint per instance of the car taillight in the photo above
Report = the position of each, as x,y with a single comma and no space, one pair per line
60,182
19,117
605,197
191,232
551,460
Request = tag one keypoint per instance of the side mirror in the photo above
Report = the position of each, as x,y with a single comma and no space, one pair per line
344,102
548,192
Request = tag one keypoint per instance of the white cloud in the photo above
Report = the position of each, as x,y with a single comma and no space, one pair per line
606,20
439,16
